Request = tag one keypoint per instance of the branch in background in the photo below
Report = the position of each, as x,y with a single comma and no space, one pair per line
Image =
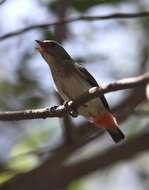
61,176
71,20
141,112
60,33
126,107
128,150
2,1
62,111
49,167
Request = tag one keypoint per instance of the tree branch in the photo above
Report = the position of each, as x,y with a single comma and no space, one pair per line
123,84
127,150
75,19
47,176
92,93
43,113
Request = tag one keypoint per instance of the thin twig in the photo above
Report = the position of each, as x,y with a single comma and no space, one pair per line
61,110
75,19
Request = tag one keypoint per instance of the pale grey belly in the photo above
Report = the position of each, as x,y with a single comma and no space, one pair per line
72,87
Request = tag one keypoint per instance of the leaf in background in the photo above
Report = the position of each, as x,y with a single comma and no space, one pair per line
23,163
76,185
6,176
33,102
31,142
7,87
25,153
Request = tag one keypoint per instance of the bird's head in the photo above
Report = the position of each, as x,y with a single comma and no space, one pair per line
50,48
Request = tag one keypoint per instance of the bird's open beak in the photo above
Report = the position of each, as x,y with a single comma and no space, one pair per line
41,46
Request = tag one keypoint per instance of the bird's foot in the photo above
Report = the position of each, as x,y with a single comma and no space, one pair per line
72,111
53,109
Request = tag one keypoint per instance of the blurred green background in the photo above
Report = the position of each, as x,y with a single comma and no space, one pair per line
109,49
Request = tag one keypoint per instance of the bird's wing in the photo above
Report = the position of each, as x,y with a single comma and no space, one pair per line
87,76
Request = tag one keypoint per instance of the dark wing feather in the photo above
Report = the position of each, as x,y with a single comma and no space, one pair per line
87,76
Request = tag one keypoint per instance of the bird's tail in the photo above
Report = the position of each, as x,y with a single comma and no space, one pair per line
108,121
117,135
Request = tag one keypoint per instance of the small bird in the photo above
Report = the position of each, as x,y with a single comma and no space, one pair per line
72,80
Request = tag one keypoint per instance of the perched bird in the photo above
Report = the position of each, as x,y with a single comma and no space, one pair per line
72,80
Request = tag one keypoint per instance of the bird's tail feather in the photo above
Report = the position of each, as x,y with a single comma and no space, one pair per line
108,121
117,135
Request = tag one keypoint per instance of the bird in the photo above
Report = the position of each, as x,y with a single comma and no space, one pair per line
72,80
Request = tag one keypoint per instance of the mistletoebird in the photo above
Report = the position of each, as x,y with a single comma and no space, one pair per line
72,80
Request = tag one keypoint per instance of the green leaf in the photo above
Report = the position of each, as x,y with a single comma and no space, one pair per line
7,87
23,163
33,102
30,143
76,185
6,176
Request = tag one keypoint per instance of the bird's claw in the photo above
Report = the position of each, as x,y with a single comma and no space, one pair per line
72,111
54,108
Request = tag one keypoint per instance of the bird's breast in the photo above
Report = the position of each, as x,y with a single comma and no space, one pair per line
70,87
